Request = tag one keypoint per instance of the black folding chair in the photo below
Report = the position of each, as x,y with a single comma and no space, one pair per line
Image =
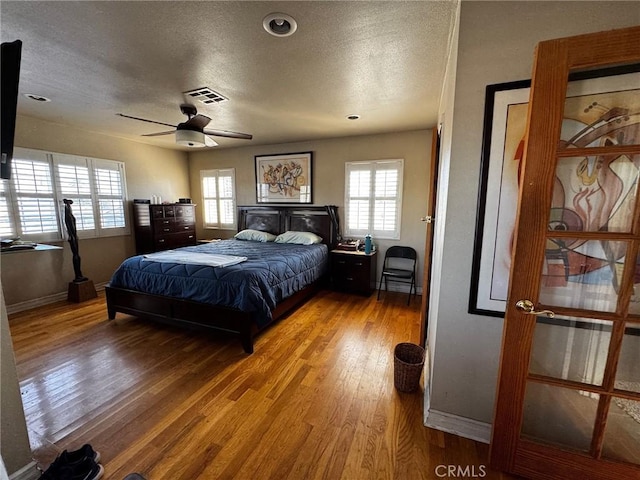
399,266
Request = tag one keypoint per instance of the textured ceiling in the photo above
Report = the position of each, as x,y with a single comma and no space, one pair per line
382,60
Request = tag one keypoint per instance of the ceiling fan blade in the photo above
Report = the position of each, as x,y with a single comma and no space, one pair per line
144,120
226,133
198,121
210,142
159,133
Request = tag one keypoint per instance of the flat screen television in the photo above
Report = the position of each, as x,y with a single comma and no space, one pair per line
10,72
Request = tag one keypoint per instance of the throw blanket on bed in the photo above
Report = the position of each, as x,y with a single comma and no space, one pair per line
195,258
271,273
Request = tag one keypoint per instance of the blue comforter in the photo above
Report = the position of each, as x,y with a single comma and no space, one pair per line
272,272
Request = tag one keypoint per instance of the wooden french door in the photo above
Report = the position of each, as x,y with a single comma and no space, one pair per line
568,403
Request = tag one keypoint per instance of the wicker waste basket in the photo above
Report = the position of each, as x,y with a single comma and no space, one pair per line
407,366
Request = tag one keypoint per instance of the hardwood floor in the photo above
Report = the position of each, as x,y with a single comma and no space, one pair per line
315,400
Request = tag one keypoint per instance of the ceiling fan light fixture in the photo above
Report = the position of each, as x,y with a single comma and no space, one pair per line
193,139
280,24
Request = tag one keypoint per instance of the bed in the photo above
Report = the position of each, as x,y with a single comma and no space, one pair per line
243,298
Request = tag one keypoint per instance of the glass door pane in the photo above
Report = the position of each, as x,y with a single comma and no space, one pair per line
559,416
628,372
634,305
601,112
622,434
583,274
594,194
571,349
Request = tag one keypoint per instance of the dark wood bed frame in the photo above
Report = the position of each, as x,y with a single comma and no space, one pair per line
322,221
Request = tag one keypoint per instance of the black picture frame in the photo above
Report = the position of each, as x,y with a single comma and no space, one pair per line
499,94
284,178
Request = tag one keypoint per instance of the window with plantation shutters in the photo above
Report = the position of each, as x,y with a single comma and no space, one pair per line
97,189
109,181
219,198
373,198
7,229
32,198
35,214
74,183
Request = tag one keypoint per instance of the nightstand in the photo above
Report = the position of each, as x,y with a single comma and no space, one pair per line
353,271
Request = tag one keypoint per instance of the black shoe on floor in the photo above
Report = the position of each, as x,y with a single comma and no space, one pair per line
86,469
86,451
70,460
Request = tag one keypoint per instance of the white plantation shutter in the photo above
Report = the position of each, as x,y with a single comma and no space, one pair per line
31,205
210,197
33,200
218,198
74,183
97,190
373,198
110,193
7,229
227,198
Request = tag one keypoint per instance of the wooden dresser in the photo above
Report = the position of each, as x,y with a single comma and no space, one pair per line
162,227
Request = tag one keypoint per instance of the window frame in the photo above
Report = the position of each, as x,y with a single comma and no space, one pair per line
54,160
217,173
102,164
6,203
372,166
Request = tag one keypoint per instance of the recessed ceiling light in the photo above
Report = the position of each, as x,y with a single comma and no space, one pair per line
353,117
37,98
279,24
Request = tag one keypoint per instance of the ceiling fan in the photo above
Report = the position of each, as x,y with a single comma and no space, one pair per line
192,132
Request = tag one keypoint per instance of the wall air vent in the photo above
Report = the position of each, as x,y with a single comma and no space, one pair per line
206,95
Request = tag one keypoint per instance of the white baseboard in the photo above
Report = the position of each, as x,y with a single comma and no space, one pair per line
461,426
39,302
28,472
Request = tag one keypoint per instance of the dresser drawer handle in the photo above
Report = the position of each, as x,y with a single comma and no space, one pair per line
166,222
341,262
162,240
166,229
186,228
359,264
350,279
190,237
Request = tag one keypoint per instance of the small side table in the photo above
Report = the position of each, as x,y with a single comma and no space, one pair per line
354,271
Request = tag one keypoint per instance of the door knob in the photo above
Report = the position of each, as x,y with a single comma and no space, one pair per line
428,219
527,306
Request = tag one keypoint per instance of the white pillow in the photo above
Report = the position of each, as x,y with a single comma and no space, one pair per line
301,238
255,236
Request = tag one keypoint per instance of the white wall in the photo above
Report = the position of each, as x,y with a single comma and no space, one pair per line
329,157
496,44
14,442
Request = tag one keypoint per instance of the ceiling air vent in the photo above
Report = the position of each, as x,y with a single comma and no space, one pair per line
206,96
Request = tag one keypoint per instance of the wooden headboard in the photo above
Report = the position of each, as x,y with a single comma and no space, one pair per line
321,220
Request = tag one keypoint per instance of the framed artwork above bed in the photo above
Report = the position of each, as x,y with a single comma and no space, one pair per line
284,178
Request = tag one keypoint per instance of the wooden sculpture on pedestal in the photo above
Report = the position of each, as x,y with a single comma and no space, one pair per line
81,288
